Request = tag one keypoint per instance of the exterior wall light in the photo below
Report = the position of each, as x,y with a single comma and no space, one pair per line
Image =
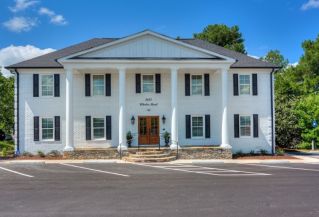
163,119
132,120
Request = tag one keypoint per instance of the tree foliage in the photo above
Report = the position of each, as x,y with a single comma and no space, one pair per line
222,35
6,104
296,96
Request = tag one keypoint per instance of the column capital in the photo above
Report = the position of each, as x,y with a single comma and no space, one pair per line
121,68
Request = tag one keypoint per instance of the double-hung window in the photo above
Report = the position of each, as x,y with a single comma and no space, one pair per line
47,82
98,128
148,83
47,128
98,85
244,84
245,126
197,126
197,85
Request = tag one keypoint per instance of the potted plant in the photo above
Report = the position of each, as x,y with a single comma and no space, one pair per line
129,138
167,137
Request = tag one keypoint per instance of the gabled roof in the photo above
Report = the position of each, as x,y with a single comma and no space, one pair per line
50,60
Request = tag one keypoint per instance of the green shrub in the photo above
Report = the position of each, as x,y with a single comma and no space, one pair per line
54,153
9,145
252,152
4,152
239,153
263,152
304,145
280,152
41,154
27,154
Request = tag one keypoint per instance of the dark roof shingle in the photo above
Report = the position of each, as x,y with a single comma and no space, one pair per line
50,60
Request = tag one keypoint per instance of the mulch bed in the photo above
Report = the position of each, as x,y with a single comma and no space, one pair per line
32,158
266,157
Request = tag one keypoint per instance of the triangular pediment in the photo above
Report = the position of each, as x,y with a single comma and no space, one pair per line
146,45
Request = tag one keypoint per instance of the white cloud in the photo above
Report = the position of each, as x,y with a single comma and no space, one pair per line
20,24
14,54
292,64
253,56
310,4
57,19
21,5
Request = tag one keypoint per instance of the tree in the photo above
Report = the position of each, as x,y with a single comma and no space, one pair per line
222,35
274,56
6,104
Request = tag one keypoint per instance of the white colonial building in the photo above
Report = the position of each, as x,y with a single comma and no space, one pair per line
91,94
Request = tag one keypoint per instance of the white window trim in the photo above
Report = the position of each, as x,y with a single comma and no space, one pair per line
92,129
191,86
142,83
251,126
92,85
198,137
250,83
41,136
40,85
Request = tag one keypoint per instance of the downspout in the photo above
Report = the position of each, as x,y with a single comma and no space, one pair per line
273,142
17,110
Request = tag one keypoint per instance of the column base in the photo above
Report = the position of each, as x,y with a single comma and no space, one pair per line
226,146
122,148
174,147
68,148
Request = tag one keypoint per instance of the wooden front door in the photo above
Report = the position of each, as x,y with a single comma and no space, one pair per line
148,130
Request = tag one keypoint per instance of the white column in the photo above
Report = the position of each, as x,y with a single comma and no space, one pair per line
174,109
224,92
122,120
69,110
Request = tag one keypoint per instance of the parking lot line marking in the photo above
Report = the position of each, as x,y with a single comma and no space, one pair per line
213,173
12,171
100,171
284,167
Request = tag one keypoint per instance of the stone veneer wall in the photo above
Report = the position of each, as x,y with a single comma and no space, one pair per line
204,153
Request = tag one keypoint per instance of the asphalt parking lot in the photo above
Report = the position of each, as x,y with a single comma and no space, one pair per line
113,189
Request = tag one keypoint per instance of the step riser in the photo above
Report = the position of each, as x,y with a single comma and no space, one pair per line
150,156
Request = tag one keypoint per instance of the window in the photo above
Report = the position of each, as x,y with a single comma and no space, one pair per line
197,126
245,126
197,84
47,128
148,84
98,85
47,85
244,84
98,128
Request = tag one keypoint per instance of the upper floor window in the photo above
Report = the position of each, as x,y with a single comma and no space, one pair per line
148,83
98,128
245,126
47,128
98,85
197,126
197,85
244,84
47,85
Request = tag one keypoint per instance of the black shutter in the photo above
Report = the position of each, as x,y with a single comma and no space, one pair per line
187,84
255,121
107,84
56,85
206,84
158,83
87,85
108,127
57,128
235,84
35,85
188,126
88,127
255,85
36,128
207,126
236,125
138,83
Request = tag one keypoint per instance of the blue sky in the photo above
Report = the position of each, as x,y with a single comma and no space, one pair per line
265,24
